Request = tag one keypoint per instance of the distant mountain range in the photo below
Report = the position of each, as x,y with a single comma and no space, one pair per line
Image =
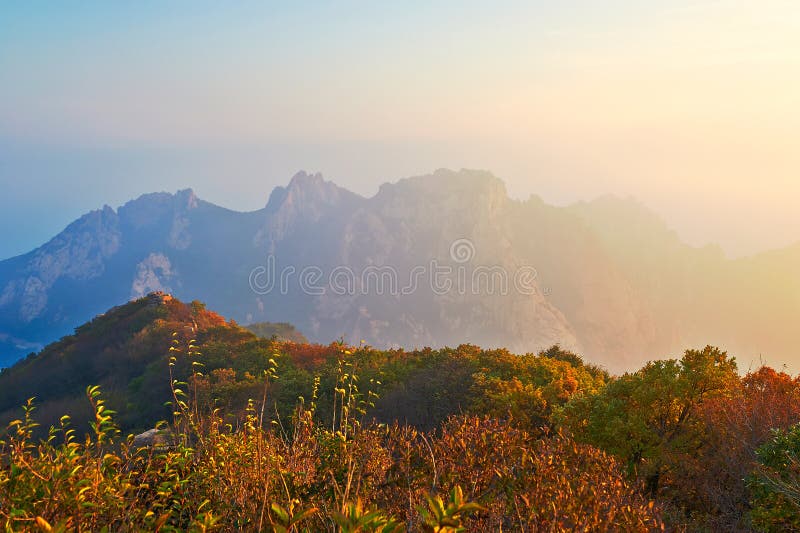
434,260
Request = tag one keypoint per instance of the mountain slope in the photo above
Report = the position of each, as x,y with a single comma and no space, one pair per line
121,350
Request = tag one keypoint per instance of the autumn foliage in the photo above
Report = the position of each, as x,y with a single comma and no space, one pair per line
474,473
268,435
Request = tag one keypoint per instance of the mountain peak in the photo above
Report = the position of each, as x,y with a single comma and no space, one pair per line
307,191
152,208
303,179
186,198
307,198
446,184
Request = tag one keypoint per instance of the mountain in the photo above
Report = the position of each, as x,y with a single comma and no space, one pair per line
431,260
124,350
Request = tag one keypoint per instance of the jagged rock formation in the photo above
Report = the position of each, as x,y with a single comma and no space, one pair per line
606,278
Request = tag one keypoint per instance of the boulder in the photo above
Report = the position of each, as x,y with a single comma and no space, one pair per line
157,438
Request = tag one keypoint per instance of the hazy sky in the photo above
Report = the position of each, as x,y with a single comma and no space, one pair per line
691,106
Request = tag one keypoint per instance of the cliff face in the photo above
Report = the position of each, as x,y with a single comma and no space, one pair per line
101,259
430,260
456,224
79,253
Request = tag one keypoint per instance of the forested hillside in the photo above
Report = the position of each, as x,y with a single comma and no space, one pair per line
268,434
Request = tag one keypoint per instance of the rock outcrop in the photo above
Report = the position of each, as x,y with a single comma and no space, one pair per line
154,438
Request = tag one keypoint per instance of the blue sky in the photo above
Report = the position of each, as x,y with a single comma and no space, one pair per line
691,106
